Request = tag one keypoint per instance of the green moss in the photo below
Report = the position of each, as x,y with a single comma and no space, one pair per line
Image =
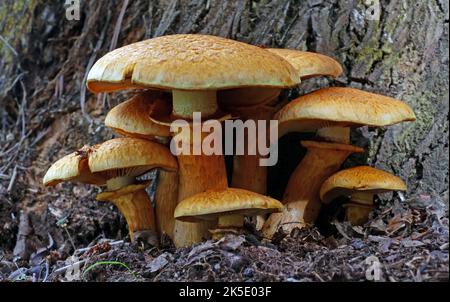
16,18
370,52
18,6
381,45
416,131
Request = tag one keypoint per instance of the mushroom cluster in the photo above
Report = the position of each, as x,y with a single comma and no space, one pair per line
330,113
173,77
116,164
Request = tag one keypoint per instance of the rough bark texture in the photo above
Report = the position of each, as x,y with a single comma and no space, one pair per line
44,58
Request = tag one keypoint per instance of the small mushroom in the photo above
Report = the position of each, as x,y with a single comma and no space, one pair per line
193,68
131,119
228,205
309,64
359,184
331,113
247,172
116,163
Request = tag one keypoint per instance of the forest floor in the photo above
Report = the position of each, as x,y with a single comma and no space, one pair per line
406,240
408,246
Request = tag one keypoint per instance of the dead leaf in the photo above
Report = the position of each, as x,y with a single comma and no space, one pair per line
411,243
379,225
230,242
159,263
20,249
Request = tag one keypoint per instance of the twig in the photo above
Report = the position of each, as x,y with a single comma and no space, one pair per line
13,157
83,88
39,137
18,78
47,269
88,67
82,250
118,26
9,46
13,179
318,276
113,45
11,149
23,106
64,268
59,87
70,239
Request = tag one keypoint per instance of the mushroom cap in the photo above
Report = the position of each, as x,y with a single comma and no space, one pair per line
231,201
341,107
73,166
309,64
359,179
132,117
113,158
190,62
134,155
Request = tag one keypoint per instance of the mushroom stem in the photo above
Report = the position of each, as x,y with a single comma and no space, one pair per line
358,209
197,173
166,198
250,175
335,134
357,214
302,192
227,224
135,205
185,102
